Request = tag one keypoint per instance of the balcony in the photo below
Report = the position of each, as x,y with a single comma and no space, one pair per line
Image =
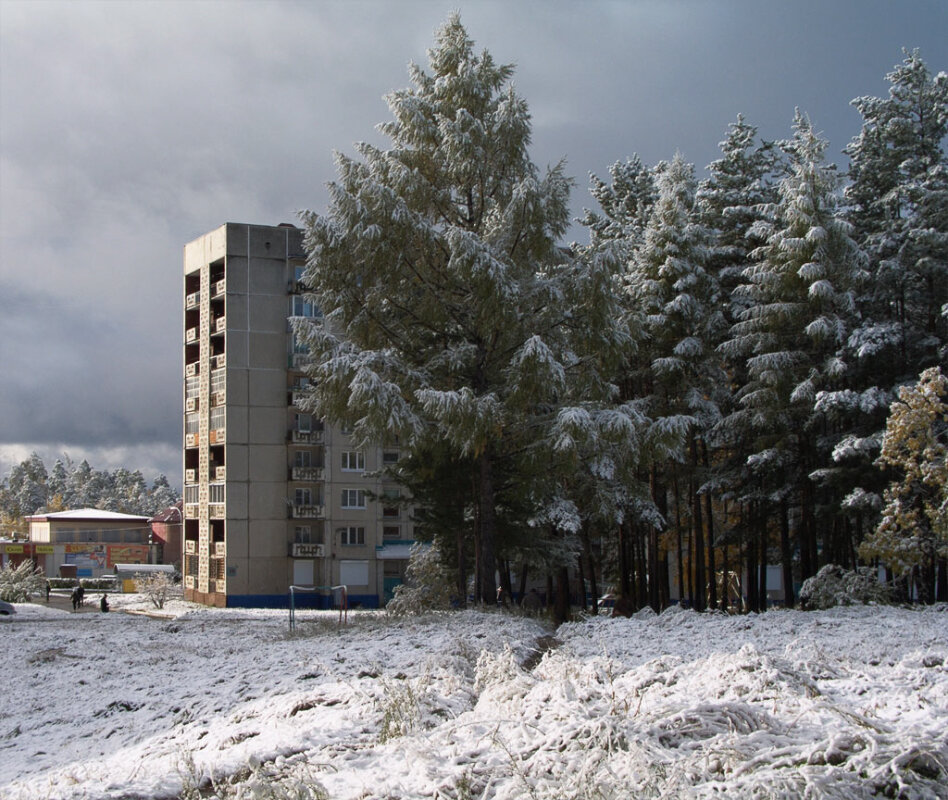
306,437
191,404
220,325
188,581
191,510
218,398
298,550
191,370
219,586
308,474
191,335
215,510
192,300
192,439
218,289
219,361
307,512
220,549
220,473
216,436
190,476
190,547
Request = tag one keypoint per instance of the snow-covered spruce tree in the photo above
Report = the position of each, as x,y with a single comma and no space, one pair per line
680,371
913,533
449,311
800,296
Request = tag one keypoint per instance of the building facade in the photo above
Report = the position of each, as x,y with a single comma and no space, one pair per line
88,542
272,496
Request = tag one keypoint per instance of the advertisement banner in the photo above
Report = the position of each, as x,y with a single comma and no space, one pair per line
90,562
44,549
14,548
128,554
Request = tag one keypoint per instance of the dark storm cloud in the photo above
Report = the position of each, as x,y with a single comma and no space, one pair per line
129,129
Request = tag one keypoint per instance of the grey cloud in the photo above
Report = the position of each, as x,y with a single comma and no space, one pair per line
129,129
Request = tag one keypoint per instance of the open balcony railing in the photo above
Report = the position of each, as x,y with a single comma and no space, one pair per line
193,300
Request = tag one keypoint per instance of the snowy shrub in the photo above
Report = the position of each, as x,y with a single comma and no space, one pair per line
427,584
157,587
835,586
18,584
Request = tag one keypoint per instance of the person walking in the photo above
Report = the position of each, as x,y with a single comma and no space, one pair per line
75,599
104,604
48,590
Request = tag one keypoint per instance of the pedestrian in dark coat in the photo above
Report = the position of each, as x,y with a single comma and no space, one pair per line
82,594
75,598
104,604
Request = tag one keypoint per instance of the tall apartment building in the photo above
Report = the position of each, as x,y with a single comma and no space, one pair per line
272,496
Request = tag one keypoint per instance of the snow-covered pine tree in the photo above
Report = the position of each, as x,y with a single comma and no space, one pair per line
450,313
681,373
801,307
897,200
731,204
898,204
913,533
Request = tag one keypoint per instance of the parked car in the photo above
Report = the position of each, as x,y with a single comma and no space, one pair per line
6,608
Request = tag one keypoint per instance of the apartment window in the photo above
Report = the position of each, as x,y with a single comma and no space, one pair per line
304,423
298,271
218,415
303,534
303,459
297,345
301,306
351,535
191,494
215,493
303,497
390,509
192,386
391,532
218,380
353,498
353,460
389,458
192,423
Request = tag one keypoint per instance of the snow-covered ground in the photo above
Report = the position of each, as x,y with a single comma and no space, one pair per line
847,703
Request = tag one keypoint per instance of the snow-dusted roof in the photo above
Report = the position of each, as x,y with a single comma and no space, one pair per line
87,514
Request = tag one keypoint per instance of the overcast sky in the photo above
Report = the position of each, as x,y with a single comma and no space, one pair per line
128,129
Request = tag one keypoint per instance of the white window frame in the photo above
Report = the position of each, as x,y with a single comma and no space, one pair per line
353,498
353,461
352,536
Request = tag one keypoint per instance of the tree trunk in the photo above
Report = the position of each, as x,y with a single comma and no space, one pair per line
561,608
658,497
785,555
591,567
523,580
709,516
762,552
701,587
487,520
462,568
751,561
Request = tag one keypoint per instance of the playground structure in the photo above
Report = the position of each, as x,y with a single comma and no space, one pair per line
343,600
